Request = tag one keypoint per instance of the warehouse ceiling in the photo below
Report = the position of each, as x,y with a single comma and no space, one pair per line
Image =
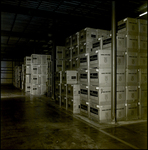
31,26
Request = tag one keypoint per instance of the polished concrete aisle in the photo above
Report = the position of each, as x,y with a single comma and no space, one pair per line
34,122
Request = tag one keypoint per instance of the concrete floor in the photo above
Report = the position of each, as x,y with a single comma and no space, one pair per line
34,122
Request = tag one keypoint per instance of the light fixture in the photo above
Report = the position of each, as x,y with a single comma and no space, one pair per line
143,14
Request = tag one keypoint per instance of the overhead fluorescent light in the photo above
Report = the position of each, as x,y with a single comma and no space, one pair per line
143,14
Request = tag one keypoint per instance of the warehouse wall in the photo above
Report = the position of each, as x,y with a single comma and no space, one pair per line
7,67
6,72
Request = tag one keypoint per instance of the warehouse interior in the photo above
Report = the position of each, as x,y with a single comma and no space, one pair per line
33,28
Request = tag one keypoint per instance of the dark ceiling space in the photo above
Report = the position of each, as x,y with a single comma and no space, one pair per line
31,26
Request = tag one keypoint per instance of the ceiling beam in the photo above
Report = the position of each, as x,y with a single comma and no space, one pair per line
49,14
25,35
7,45
28,23
13,22
10,56
39,13
19,52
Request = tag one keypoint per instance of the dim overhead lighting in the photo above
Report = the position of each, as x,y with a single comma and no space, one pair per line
143,14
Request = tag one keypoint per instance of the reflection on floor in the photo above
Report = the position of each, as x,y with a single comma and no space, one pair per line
35,122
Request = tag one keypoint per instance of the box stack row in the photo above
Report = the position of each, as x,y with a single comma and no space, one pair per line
89,53
67,90
79,51
26,74
49,83
68,56
132,58
35,76
17,76
68,59
95,84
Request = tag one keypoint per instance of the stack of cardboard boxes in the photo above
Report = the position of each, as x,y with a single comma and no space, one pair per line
26,74
132,53
17,76
66,88
88,52
35,74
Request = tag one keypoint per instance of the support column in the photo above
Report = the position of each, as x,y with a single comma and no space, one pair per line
12,71
53,58
113,64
